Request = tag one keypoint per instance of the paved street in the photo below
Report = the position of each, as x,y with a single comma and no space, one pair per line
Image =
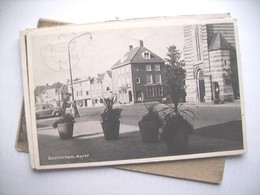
206,114
217,128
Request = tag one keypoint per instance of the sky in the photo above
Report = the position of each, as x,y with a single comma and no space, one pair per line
90,56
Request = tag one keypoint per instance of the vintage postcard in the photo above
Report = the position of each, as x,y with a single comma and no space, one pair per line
205,170
94,89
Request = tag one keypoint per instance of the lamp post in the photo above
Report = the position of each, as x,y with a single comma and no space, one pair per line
76,113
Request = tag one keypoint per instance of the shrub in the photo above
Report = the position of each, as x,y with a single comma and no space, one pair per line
152,114
110,113
67,118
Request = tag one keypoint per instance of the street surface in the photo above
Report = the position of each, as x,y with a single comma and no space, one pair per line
217,128
206,114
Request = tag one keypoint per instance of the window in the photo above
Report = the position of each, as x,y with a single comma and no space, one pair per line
226,64
86,92
149,79
158,78
138,80
150,91
127,80
146,55
154,91
157,67
80,93
108,88
197,38
148,67
160,90
119,82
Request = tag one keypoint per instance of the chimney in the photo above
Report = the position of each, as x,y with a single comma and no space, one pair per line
130,47
141,43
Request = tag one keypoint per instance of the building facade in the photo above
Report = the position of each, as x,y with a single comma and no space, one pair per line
210,61
82,92
101,87
138,76
49,94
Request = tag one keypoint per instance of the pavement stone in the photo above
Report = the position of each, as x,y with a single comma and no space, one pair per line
89,141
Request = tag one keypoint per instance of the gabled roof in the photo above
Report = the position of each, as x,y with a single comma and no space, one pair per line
218,42
100,77
39,90
56,85
109,73
136,56
64,89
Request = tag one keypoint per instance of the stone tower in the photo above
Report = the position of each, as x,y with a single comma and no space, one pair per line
208,57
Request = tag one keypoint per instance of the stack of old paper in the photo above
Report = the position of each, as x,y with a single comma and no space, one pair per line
88,63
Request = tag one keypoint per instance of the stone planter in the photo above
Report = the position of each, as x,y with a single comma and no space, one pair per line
111,129
149,131
65,130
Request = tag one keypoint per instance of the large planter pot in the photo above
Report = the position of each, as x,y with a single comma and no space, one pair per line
65,130
149,131
176,138
111,129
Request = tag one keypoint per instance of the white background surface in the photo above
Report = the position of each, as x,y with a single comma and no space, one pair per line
242,174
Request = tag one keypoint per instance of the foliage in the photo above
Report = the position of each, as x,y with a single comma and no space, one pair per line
67,118
152,114
175,75
175,113
174,57
110,113
124,88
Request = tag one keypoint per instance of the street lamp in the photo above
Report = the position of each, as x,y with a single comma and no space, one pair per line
71,81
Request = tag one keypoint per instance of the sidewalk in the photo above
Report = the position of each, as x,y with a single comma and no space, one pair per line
224,104
89,145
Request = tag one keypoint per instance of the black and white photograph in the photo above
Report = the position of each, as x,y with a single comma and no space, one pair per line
134,91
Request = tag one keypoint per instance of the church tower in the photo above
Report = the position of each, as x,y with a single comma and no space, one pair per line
208,62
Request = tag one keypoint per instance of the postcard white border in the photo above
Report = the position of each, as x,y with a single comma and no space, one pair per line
30,108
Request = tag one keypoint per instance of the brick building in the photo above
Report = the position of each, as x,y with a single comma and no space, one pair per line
138,76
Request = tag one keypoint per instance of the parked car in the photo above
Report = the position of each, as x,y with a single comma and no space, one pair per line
46,110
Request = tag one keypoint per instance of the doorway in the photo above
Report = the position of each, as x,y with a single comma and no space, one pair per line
139,96
201,86
130,96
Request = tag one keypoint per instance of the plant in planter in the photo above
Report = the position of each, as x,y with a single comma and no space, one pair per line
177,117
177,122
65,124
176,130
110,119
150,124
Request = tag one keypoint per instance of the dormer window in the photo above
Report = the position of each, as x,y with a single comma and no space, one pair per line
146,55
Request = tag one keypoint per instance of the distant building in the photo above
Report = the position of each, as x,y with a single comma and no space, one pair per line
49,94
101,87
106,84
82,92
210,62
138,76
